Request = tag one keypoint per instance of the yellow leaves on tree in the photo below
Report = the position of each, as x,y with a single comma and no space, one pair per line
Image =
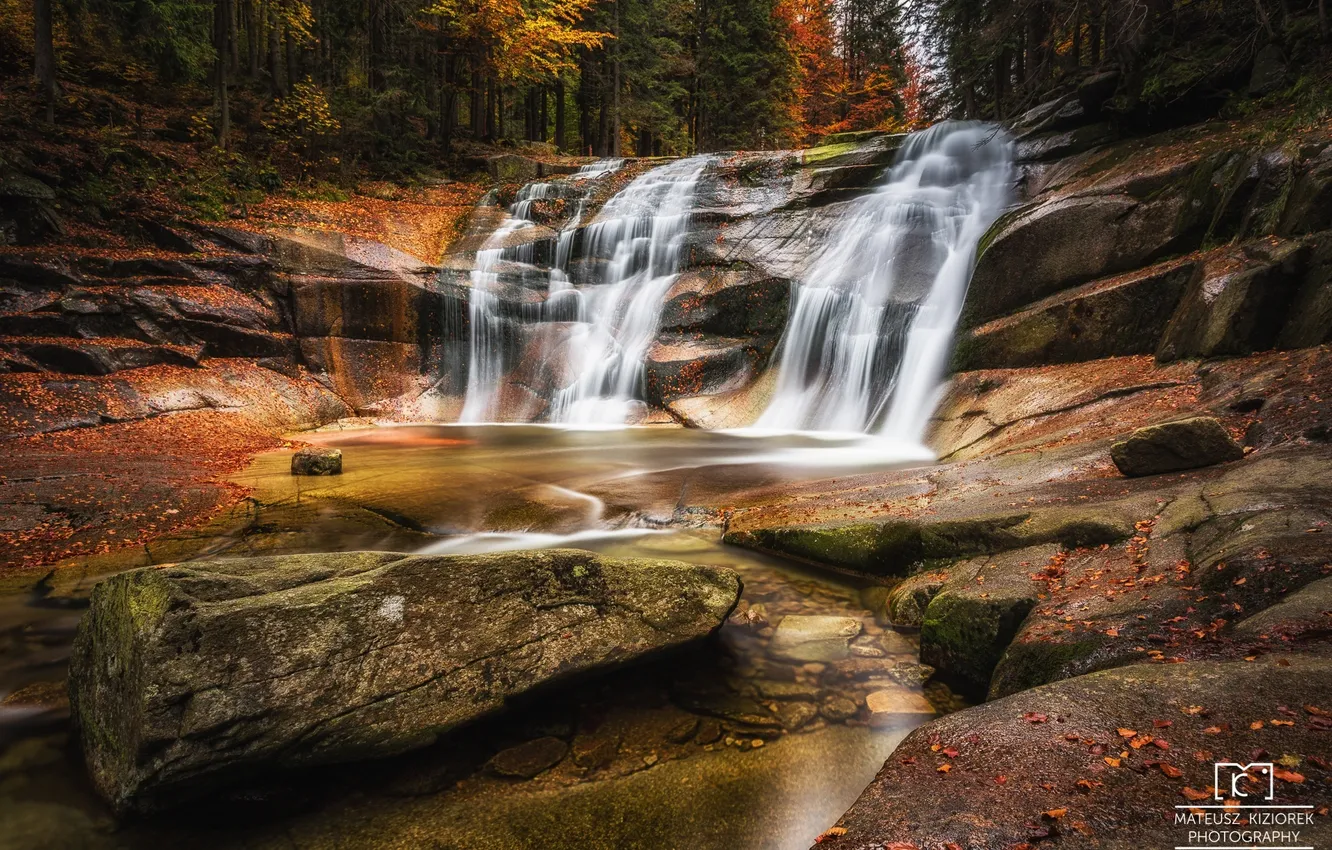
522,40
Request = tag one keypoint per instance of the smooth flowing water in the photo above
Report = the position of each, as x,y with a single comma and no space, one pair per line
505,257
726,744
871,328
640,232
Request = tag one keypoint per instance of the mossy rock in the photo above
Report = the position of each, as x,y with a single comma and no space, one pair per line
907,602
977,612
189,678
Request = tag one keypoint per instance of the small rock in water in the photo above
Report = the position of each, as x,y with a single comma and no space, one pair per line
813,638
796,714
1186,444
594,751
709,732
683,731
888,707
528,759
316,460
838,709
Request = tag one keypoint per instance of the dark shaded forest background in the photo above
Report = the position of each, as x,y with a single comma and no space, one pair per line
321,92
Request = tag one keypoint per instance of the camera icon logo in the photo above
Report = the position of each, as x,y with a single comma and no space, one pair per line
1244,781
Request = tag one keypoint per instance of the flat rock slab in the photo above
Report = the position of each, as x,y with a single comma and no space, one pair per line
1186,444
813,638
894,706
1102,760
188,677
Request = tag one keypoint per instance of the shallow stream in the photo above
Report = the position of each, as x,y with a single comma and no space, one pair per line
728,744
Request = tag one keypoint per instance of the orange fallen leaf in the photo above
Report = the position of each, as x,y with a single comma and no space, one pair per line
1193,794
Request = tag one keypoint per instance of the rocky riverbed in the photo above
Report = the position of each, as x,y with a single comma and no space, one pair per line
1132,599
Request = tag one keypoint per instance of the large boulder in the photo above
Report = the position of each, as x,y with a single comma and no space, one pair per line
187,677
1184,444
1106,760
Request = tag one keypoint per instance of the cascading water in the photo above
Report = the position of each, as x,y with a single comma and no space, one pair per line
486,363
641,232
871,328
637,240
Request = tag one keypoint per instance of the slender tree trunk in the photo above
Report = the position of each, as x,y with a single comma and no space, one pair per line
1077,39
450,116
1264,20
559,113
276,80
475,108
1094,32
253,28
1322,19
233,40
615,102
44,63
543,119
378,47
222,32
293,59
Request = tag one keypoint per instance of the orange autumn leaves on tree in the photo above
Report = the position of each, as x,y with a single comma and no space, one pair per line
820,82
887,96
522,40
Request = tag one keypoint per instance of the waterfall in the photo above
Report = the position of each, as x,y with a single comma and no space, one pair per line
491,335
871,326
640,233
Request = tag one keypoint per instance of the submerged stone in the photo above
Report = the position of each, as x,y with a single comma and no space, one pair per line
316,460
1186,444
891,706
189,677
813,638
529,758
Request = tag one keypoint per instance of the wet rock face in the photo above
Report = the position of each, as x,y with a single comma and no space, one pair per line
188,677
1101,760
1185,444
1111,253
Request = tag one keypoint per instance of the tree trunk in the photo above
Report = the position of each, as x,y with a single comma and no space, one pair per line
450,116
475,107
252,32
276,79
1264,20
377,26
44,64
543,118
559,113
1094,33
1322,19
615,101
233,40
293,59
221,67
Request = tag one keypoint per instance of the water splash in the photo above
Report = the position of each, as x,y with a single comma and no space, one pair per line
871,328
492,335
640,233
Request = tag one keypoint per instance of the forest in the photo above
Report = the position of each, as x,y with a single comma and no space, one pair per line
329,86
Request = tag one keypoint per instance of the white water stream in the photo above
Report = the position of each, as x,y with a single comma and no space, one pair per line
640,232
870,331
871,328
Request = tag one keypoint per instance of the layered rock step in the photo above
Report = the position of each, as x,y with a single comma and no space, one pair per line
187,678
